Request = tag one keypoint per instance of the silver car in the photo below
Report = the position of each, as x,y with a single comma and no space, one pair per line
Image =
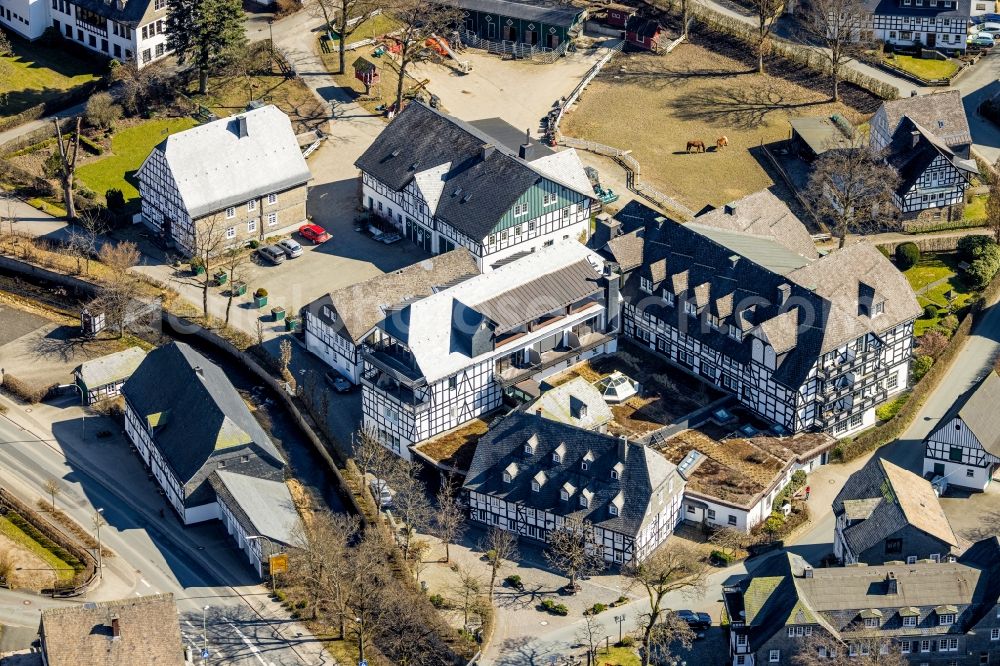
290,248
272,254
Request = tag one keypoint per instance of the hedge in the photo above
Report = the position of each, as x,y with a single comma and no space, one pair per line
879,436
75,96
45,542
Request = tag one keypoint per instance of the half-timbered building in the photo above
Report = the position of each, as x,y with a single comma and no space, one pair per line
335,324
532,475
885,513
444,183
965,446
441,361
931,175
253,187
933,24
942,113
740,299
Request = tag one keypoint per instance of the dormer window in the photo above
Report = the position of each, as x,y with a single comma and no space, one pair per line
614,474
563,495
510,472
559,454
878,308
691,308
507,478
556,458
583,465
535,486
616,471
735,333
612,509
668,297
946,619
646,285
529,449
584,502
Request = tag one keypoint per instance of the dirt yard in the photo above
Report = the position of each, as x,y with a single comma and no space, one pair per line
653,105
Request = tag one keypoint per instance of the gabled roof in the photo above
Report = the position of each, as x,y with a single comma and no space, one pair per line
550,13
266,505
893,498
128,12
763,214
942,113
978,409
149,633
480,186
644,471
111,368
196,411
914,148
561,404
231,160
360,307
515,293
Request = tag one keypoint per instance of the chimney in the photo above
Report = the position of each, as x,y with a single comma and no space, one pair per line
784,293
116,630
916,138
527,149
605,228
198,371
733,260
807,572
241,127
891,584
729,209
488,149
622,447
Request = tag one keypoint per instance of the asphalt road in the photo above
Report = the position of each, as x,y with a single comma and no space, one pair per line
199,565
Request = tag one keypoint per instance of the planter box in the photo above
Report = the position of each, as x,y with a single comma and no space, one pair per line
239,288
292,324
259,301
278,313
198,270
221,278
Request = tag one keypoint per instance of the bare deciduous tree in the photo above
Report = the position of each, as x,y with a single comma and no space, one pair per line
236,262
69,148
839,27
728,540
371,457
53,487
211,238
573,550
993,203
449,519
590,634
468,589
285,359
419,20
766,12
500,547
410,501
670,568
870,649
853,188
346,16
119,287
321,559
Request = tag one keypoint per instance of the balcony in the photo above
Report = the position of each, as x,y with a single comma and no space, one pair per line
394,362
538,362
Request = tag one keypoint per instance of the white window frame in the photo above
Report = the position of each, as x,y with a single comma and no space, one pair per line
910,621
272,219
230,212
231,233
272,199
946,619
251,226
995,634
774,656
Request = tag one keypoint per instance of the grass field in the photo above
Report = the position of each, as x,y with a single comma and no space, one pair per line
929,270
129,148
229,95
388,74
653,105
63,570
376,26
36,73
975,211
617,656
925,68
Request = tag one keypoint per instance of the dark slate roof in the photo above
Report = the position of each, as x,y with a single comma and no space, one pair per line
550,13
198,414
889,498
644,471
913,148
478,190
942,113
893,8
978,410
510,137
130,13
763,214
741,269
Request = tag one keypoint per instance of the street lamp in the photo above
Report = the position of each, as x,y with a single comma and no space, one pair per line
204,631
98,519
55,576
361,639
620,619
270,552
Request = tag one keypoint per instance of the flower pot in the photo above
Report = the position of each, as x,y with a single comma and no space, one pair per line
259,301
220,278
239,288
278,313
198,270
292,324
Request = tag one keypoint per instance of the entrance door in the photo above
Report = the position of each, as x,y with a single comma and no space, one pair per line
510,33
938,469
931,40
531,37
552,41
491,30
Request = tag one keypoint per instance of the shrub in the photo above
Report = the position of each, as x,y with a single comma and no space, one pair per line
560,609
91,147
972,247
22,390
627,641
949,324
437,600
262,293
721,557
980,272
102,111
253,245
932,343
548,604
889,410
921,366
513,581
907,255
115,199
597,608
931,311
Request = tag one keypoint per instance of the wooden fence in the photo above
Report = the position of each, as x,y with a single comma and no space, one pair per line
505,48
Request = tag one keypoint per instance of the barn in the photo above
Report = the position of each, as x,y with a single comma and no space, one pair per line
645,34
536,23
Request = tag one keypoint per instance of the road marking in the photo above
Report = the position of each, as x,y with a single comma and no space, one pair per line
188,623
145,583
253,648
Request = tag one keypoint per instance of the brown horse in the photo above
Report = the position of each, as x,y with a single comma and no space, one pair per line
721,142
697,144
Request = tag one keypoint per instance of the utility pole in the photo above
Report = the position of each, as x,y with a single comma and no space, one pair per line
98,519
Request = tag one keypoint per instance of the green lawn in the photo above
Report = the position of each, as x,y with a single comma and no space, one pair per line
928,270
925,68
64,571
618,656
129,148
376,26
36,73
976,211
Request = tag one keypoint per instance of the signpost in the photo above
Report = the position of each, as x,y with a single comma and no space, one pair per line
279,563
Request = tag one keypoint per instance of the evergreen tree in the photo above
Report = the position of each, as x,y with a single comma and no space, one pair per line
203,31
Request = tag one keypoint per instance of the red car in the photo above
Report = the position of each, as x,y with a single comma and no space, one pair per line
314,233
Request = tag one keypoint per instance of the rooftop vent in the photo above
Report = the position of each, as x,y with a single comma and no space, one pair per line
488,150
241,127
395,153
729,209
807,572
466,198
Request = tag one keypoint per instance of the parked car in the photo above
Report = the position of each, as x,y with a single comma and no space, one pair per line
314,233
940,484
992,28
389,238
290,248
697,621
382,492
272,254
337,382
982,39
